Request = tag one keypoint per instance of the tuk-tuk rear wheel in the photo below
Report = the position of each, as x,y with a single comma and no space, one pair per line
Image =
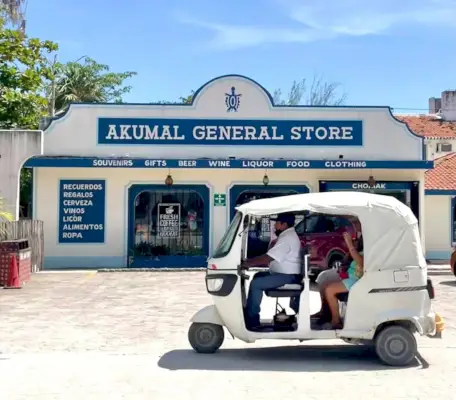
205,338
396,345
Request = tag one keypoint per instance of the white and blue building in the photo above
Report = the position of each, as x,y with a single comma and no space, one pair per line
141,185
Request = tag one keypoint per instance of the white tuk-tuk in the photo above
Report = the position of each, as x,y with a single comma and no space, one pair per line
387,307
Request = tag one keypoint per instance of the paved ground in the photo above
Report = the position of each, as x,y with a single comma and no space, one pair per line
124,336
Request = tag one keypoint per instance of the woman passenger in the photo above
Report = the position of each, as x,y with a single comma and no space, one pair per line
355,272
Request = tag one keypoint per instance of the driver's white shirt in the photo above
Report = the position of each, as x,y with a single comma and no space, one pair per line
286,253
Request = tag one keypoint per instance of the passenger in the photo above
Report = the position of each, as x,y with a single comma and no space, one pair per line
324,279
334,275
355,272
284,266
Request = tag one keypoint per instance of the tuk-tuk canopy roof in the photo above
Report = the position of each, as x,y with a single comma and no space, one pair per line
389,228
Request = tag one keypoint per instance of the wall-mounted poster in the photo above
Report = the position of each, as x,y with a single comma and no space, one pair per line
169,220
82,211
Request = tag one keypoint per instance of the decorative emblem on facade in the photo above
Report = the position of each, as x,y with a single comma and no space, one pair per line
232,100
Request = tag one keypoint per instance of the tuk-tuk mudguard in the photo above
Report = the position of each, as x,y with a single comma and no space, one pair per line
209,315
399,316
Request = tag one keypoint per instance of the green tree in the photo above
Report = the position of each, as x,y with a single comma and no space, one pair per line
4,215
23,71
89,82
12,11
188,99
182,100
320,93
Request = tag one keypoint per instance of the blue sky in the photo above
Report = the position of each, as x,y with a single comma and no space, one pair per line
382,52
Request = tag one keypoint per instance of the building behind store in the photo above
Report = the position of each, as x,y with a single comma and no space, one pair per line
438,127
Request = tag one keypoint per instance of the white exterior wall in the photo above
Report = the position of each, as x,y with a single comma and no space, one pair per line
113,253
86,131
438,227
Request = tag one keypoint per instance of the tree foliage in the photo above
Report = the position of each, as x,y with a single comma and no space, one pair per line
12,11
23,71
320,93
89,82
4,214
182,100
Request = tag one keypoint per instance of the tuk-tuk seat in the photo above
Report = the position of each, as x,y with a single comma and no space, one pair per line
288,290
343,297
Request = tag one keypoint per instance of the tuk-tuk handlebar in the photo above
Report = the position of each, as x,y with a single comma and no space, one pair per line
241,272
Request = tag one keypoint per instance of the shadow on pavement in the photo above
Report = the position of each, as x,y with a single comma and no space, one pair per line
289,359
439,273
449,283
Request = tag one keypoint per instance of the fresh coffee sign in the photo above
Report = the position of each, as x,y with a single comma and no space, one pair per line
169,217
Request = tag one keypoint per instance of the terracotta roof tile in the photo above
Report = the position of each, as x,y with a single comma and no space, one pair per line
443,176
429,127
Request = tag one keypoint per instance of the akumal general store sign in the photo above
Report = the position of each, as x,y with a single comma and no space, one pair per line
176,131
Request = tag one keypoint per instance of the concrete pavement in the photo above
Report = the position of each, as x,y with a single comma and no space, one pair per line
124,336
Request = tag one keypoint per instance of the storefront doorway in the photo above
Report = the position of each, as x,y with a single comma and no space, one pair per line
260,234
406,192
168,226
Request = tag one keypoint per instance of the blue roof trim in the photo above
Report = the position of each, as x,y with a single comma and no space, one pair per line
440,192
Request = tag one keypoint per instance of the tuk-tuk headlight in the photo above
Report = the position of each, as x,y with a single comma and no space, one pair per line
220,284
214,285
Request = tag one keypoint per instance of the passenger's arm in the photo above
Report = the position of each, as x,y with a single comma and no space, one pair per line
358,258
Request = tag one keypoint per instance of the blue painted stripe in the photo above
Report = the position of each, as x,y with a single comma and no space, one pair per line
97,162
438,192
438,255
83,262
99,262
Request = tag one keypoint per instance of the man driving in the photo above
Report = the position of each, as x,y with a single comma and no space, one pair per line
284,260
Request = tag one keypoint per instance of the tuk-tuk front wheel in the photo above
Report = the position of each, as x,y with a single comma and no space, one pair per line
205,338
396,345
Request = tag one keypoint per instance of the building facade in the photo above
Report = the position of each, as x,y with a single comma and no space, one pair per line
140,185
439,131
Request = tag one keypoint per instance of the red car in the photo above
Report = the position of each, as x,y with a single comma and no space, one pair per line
322,234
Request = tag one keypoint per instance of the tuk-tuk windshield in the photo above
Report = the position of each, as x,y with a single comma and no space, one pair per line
225,244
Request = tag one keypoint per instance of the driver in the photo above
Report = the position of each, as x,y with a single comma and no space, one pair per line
284,260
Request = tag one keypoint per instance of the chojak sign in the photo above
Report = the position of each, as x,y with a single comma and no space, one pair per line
360,185
168,220
82,211
175,131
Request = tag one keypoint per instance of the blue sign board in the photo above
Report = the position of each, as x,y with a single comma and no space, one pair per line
362,185
97,162
175,131
82,211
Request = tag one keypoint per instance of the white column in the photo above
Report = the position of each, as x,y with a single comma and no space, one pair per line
422,214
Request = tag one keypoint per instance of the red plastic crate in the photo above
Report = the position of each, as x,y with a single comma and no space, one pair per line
23,253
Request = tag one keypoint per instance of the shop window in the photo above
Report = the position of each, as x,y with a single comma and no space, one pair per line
261,228
444,147
169,223
316,224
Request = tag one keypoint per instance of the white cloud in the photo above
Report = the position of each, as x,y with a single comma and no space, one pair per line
327,19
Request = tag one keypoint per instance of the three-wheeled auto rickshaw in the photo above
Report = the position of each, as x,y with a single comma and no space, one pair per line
386,308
